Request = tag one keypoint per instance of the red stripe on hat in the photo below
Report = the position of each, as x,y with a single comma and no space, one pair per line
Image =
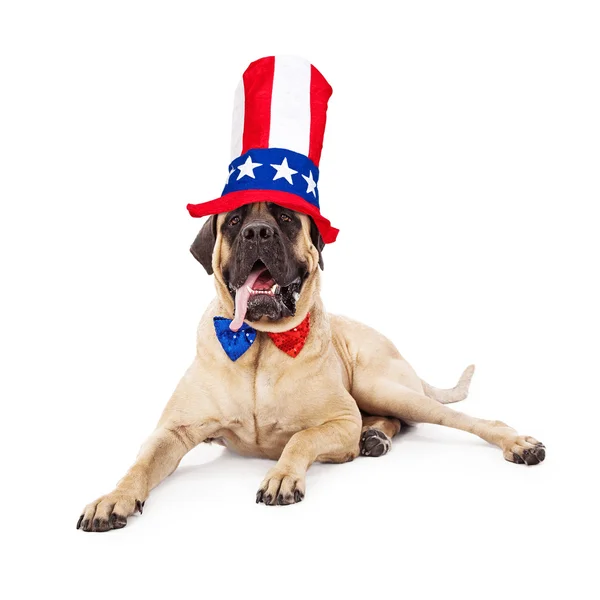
258,88
320,92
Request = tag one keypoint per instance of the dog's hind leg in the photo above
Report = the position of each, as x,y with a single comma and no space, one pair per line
377,433
386,397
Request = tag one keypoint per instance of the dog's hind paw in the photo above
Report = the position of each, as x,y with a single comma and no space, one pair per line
374,443
525,451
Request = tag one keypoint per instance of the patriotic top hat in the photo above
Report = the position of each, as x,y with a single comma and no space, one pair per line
279,118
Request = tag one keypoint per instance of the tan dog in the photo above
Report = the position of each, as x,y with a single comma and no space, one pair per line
346,392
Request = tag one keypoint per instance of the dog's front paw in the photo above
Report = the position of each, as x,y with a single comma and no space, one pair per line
281,487
524,450
109,512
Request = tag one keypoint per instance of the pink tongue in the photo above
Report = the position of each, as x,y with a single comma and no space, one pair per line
241,299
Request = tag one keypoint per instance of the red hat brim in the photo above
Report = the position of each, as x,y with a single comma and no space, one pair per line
234,200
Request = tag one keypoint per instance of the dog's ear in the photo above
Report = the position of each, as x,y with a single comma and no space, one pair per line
317,241
203,246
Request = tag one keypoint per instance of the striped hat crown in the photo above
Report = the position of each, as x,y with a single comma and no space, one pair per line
279,116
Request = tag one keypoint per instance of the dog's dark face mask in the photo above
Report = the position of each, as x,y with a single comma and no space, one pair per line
264,271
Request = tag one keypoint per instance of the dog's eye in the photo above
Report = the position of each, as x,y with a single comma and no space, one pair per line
285,218
234,221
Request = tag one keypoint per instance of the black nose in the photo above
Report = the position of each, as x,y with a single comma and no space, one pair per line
257,230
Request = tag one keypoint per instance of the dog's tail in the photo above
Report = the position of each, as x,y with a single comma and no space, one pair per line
456,394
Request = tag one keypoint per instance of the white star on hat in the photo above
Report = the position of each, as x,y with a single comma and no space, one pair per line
283,170
248,168
312,184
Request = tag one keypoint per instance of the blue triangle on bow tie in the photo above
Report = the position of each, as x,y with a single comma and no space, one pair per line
235,343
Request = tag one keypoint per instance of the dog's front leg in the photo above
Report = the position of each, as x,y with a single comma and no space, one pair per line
158,458
187,420
333,441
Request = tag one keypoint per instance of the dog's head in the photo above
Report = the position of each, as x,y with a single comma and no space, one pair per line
265,259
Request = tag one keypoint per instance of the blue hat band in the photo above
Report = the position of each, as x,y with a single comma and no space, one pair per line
274,169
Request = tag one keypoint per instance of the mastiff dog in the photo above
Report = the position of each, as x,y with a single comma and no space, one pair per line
303,386
275,375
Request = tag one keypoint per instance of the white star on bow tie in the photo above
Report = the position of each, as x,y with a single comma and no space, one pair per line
312,184
248,168
283,170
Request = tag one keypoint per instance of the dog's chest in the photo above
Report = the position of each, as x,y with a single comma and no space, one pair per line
264,405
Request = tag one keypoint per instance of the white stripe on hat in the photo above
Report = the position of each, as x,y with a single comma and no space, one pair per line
237,128
290,105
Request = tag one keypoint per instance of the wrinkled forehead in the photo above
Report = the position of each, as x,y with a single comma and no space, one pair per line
284,218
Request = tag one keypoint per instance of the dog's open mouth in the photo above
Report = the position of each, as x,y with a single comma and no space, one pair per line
260,295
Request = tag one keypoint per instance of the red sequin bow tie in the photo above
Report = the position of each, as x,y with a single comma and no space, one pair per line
235,343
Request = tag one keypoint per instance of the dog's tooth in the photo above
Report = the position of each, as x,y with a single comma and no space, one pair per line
296,296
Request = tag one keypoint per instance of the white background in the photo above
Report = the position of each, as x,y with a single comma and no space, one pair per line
461,165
